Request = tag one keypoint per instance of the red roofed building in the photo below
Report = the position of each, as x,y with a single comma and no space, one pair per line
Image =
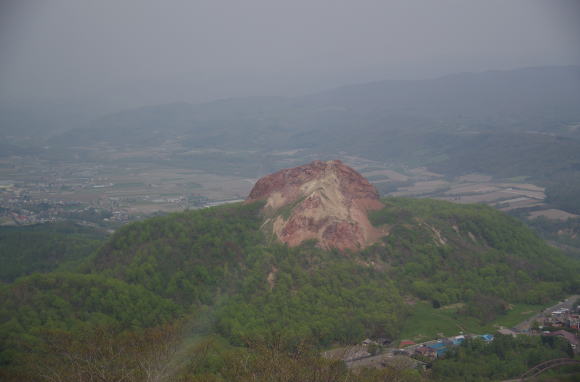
426,351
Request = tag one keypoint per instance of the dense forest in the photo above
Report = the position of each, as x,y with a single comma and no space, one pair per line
447,252
45,247
218,297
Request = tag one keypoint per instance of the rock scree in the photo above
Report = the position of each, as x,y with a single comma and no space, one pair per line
325,201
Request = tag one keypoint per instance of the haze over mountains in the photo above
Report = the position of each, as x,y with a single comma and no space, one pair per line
538,96
514,123
502,123
532,99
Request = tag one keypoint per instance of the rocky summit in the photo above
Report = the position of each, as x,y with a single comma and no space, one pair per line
324,201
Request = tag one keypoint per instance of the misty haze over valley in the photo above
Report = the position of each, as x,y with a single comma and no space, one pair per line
354,188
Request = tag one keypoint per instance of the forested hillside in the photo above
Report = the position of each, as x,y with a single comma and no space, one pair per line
214,269
447,252
45,247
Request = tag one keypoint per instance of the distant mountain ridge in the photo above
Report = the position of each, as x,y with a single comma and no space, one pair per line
469,101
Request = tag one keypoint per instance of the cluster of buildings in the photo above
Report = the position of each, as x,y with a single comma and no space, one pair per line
438,348
566,321
560,321
562,318
19,207
35,203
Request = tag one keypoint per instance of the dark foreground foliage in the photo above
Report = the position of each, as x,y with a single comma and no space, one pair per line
74,303
160,354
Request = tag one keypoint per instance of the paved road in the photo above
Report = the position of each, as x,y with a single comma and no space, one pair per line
527,324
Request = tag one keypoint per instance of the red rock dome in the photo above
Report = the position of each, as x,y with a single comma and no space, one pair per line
326,201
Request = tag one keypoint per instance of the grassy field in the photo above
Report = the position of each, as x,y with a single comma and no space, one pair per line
427,323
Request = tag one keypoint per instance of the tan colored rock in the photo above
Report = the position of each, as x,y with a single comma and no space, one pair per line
326,201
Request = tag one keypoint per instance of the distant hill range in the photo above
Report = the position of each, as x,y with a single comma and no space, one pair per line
360,118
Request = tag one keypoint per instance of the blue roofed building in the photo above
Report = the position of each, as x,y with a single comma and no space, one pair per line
457,340
486,337
439,347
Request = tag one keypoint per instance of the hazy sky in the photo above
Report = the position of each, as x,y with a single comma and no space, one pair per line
134,52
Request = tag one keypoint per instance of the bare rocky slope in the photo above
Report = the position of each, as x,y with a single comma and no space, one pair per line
324,201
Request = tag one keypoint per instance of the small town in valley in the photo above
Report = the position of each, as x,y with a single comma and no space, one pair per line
560,320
